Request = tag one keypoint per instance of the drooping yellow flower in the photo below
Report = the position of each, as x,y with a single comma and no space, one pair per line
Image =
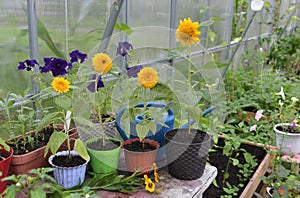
60,85
155,169
148,77
150,186
187,32
102,62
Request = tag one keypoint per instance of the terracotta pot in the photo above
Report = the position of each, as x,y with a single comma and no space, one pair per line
248,115
142,161
21,164
4,167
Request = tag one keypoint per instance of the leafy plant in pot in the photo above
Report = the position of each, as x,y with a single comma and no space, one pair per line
104,149
288,131
186,148
140,153
54,77
5,157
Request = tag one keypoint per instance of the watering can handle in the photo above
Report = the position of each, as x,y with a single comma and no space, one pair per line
204,113
149,104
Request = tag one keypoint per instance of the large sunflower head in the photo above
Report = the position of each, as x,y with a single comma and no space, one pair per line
102,62
148,77
187,32
60,85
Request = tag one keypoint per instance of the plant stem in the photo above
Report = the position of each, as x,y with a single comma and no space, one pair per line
101,126
227,166
189,86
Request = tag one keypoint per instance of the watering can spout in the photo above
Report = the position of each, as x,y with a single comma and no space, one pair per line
204,113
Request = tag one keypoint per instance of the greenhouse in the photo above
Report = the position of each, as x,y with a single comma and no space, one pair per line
136,98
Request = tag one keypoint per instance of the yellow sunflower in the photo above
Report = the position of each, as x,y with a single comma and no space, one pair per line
148,77
150,186
102,62
187,32
60,85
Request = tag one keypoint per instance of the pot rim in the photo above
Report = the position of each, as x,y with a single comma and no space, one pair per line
149,141
10,152
184,143
96,138
285,133
63,153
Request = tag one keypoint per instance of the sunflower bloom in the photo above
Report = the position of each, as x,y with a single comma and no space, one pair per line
60,85
150,186
187,32
102,62
148,77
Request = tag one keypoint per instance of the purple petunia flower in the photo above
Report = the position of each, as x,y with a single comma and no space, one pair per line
27,64
77,56
133,71
91,86
56,65
293,123
253,128
258,114
123,47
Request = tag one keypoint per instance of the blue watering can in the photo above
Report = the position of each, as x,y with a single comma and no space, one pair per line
160,130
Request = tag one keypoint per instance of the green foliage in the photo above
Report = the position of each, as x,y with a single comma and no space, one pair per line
284,53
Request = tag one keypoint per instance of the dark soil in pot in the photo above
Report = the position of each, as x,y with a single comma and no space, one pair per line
65,161
109,145
219,160
288,129
3,155
138,146
34,142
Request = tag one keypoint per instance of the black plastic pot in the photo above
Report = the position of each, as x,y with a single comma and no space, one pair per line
187,153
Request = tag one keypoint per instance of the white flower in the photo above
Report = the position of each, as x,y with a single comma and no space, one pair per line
294,99
257,5
281,93
258,114
253,128
280,103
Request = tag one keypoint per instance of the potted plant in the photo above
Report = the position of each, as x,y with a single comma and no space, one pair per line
103,146
140,153
54,77
5,157
187,148
70,165
288,131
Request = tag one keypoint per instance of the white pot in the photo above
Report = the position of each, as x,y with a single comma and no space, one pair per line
68,177
287,143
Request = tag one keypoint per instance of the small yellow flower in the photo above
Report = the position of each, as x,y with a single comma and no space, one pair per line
187,32
156,176
102,62
150,186
148,77
60,85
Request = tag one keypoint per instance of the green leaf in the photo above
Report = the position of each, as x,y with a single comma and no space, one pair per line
235,161
152,127
46,120
142,129
55,141
37,193
11,103
64,102
203,9
45,36
81,149
123,27
83,121
206,23
211,35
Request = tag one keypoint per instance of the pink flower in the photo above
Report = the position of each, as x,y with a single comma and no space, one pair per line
258,114
253,128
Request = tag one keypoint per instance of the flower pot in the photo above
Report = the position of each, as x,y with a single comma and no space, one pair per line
142,161
187,153
103,161
160,130
21,164
68,177
4,167
287,143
